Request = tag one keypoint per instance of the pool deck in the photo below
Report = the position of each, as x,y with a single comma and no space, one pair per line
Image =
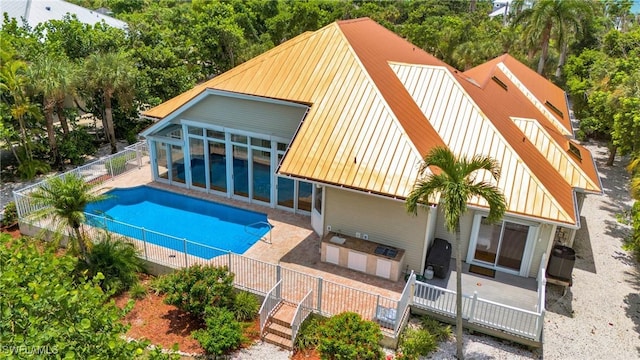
294,244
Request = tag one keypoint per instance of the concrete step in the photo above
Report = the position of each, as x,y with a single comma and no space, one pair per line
274,339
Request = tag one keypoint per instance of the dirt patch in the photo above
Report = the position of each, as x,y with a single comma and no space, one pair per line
306,355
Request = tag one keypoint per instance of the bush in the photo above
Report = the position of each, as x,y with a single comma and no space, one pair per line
197,287
348,336
310,332
10,215
28,169
76,145
118,163
138,291
440,331
417,342
117,260
245,306
223,332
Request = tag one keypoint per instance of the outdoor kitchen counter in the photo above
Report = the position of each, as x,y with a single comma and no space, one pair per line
363,255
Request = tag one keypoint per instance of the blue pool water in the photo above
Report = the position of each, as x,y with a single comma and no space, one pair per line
199,221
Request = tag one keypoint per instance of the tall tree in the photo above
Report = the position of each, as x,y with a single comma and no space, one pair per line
547,15
111,75
51,79
63,200
456,183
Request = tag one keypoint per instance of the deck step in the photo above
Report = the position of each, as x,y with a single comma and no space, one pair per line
284,313
274,339
280,330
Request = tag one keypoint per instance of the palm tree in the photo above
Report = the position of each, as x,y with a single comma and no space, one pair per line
63,200
114,76
456,184
547,15
46,79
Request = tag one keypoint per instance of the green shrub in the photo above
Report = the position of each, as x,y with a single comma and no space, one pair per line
348,336
28,169
245,306
310,332
117,164
197,287
223,331
10,215
417,342
138,291
117,260
76,145
440,331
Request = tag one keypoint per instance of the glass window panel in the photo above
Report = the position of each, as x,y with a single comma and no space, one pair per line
198,168
304,195
161,160
318,200
239,138
261,175
177,164
217,166
215,134
488,240
240,171
261,142
514,239
176,134
282,147
195,130
285,192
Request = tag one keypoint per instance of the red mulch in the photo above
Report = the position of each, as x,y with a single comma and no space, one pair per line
14,231
165,325
306,355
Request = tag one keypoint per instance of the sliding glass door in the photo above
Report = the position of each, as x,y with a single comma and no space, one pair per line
501,245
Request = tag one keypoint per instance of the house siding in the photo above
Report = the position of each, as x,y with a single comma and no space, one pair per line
248,115
385,221
466,222
545,235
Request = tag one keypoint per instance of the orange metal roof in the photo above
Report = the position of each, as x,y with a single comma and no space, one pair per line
368,125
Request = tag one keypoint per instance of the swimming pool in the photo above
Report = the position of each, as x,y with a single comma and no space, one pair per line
181,217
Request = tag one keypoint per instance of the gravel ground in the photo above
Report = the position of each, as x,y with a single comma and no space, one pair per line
598,318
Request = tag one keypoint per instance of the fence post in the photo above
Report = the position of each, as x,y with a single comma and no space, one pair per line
473,307
278,278
186,260
319,302
144,241
138,155
229,260
111,168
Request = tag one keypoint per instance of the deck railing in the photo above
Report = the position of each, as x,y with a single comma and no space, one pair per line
494,315
404,303
305,307
271,300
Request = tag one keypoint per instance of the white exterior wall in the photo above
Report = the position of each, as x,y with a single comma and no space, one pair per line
385,221
545,236
248,115
466,222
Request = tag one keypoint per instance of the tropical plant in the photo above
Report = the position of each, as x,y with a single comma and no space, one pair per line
62,199
310,332
416,342
113,75
10,215
222,333
245,306
44,308
116,260
197,287
456,184
348,336
545,16
634,242
138,291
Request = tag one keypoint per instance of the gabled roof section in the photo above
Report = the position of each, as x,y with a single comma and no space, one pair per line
549,99
468,131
